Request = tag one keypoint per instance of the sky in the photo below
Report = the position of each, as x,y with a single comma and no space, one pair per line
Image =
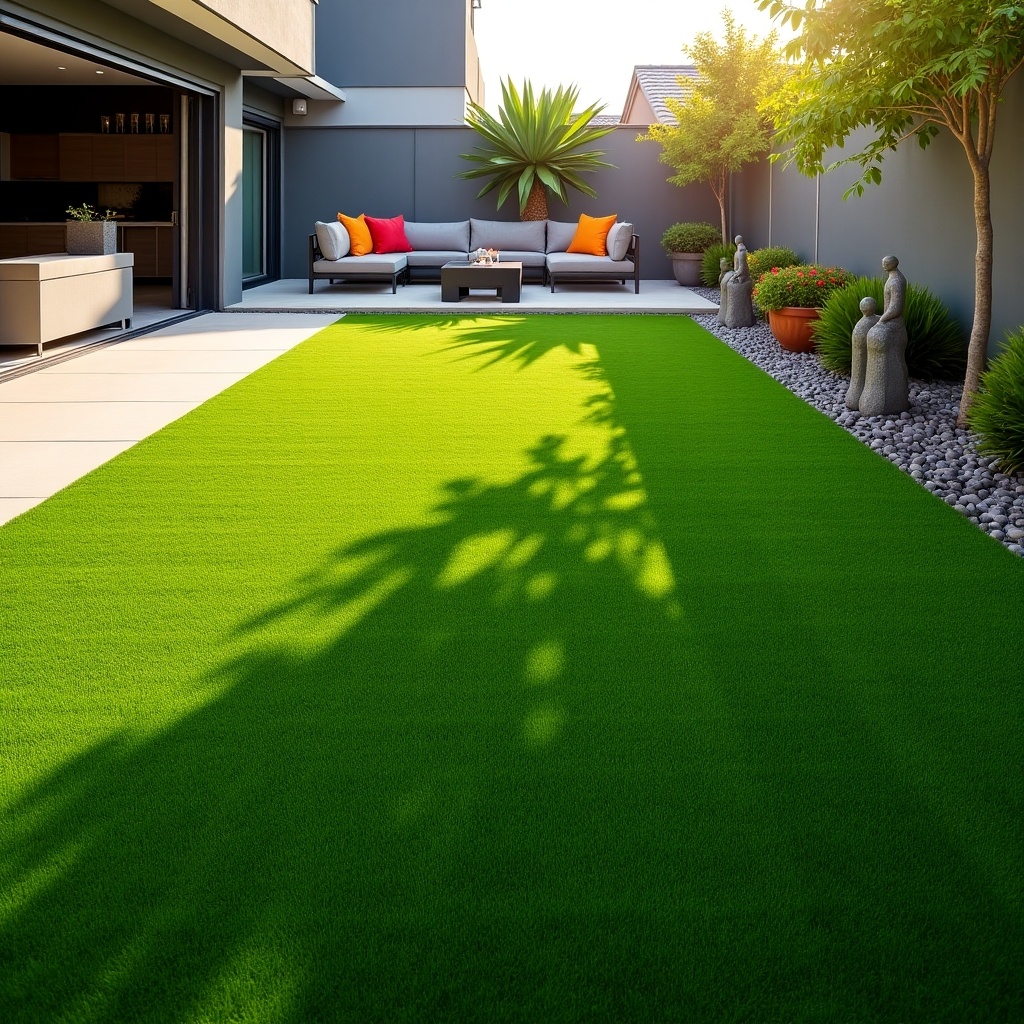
592,43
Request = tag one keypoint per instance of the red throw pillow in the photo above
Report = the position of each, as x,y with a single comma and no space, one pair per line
388,234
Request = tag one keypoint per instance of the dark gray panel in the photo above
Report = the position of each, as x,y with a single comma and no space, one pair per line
363,43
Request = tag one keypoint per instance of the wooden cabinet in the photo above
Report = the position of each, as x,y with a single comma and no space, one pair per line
73,157
35,156
153,248
17,240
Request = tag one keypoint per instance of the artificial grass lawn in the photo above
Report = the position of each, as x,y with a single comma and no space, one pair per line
508,668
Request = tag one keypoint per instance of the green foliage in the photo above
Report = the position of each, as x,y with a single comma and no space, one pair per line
997,413
534,137
86,213
760,261
711,266
719,126
690,237
935,341
804,284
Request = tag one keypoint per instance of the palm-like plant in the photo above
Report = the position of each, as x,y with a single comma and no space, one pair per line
535,142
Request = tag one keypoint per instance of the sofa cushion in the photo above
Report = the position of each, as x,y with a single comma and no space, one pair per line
388,234
527,257
435,257
582,263
591,235
521,236
452,235
332,238
618,240
358,233
369,264
560,234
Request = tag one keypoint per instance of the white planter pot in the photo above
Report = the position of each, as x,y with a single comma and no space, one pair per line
91,237
686,267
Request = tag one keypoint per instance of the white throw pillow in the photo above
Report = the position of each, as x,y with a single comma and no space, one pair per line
333,239
619,237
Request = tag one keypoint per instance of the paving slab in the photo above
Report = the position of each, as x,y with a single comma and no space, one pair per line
34,469
87,421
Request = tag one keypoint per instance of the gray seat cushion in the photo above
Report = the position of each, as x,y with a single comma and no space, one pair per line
518,236
435,257
349,266
560,235
451,235
581,263
527,258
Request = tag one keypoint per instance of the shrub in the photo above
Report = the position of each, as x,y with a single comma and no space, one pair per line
691,237
997,410
935,341
804,284
760,261
711,268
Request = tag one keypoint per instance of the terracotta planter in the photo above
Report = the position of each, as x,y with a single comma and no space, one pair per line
791,327
686,267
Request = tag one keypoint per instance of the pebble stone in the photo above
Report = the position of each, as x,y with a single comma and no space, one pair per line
924,441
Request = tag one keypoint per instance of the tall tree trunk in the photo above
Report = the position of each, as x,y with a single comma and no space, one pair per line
977,350
536,203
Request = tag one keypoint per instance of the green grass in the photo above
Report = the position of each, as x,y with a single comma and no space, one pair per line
508,669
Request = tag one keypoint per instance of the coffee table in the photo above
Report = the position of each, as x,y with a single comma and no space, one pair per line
457,278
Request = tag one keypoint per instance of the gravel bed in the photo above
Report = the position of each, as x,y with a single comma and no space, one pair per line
924,442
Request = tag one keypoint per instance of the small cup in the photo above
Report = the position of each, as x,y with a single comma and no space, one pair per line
135,124
105,124
119,124
150,123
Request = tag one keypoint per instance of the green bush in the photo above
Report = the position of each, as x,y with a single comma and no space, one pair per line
691,237
806,285
760,261
997,412
935,341
711,267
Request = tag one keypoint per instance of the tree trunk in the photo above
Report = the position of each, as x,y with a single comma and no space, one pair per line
977,350
536,203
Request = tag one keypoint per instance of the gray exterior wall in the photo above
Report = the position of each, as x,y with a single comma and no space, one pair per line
391,43
922,212
412,171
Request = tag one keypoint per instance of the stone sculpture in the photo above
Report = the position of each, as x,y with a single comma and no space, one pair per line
886,383
723,287
868,308
739,304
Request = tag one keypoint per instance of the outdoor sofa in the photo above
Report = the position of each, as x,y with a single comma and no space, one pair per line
540,245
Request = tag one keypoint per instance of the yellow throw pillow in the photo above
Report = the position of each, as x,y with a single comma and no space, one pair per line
592,235
359,234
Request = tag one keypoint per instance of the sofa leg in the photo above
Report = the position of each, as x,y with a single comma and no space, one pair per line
636,288
311,286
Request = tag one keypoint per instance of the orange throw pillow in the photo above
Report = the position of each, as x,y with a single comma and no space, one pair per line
592,235
358,233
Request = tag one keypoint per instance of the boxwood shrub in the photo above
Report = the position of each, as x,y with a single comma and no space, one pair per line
760,261
691,237
936,349
997,412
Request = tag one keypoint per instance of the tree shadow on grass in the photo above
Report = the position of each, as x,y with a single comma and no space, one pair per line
515,764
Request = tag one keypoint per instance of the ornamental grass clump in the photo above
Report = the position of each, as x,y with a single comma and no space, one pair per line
935,341
806,285
711,266
997,412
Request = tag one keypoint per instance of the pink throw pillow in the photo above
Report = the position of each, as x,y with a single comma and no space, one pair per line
388,234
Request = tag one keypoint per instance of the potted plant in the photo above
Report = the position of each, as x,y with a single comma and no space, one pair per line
685,244
89,232
791,297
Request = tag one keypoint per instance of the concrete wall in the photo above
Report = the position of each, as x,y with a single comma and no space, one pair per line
922,212
413,171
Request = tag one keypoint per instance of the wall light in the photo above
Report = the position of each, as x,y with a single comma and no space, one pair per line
298,106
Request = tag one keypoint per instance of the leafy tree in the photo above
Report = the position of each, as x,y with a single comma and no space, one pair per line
535,142
904,68
719,127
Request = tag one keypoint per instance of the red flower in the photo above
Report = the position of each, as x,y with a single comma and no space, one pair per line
821,284
775,270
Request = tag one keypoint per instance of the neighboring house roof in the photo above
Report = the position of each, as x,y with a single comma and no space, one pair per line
650,86
604,119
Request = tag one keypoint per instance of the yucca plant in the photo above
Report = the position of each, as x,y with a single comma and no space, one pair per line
935,341
997,412
534,144
711,266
